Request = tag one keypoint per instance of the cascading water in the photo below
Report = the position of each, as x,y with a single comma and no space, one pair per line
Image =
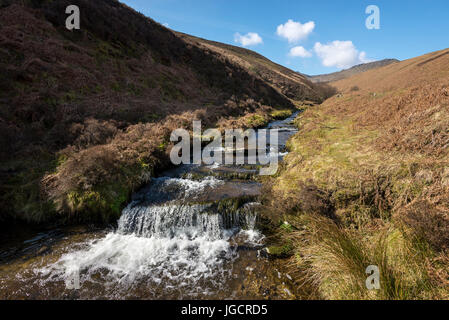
172,245
185,235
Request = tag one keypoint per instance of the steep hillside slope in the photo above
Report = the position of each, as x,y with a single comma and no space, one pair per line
367,183
351,71
85,115
291,84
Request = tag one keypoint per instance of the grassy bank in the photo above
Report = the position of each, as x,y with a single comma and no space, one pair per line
355,193
350,206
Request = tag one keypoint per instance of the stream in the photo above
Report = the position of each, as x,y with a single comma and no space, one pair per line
192,233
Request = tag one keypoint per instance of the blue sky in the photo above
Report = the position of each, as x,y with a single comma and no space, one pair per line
332,34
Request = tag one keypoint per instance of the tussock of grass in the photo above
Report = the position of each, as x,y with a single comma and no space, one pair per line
335,260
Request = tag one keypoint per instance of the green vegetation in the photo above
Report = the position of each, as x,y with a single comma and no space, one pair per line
99,206
281,114
280,252
230,206
338,257
22,191
257,121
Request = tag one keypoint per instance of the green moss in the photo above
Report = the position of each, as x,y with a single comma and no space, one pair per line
103,204
281,114
234,204
280,252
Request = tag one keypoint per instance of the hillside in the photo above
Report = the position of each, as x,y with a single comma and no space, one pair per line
86,115
367,183
351,71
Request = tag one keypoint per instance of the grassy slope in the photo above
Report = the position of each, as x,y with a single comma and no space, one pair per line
85,116
367,182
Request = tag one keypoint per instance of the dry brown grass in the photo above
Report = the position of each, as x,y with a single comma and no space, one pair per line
427,222
379,155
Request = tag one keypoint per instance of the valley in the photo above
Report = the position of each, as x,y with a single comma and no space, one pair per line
94,207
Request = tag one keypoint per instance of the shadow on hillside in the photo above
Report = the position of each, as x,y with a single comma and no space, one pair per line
326,90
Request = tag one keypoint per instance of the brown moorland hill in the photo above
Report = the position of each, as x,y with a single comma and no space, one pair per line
367,183
291,84
86,115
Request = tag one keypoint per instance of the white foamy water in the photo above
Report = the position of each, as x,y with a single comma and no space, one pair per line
126,260
166,189
173,221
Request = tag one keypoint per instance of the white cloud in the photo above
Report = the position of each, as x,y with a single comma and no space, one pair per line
295,31
166,25
340,54
300,52
250,39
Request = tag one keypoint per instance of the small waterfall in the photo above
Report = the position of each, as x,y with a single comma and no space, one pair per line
190,220
251,215
168,241
165,210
